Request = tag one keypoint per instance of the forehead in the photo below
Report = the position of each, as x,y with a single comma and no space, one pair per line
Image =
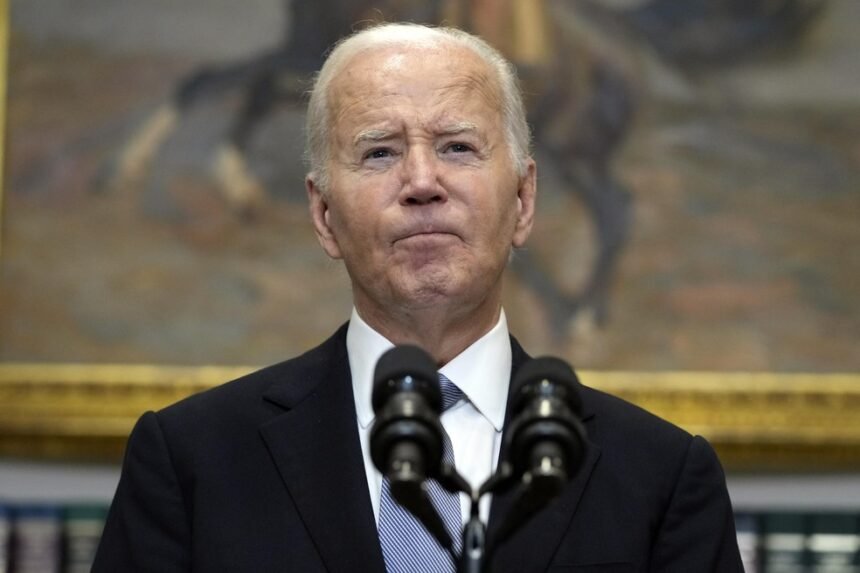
451,76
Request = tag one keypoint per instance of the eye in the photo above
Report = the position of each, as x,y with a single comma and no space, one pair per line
378,153
457,148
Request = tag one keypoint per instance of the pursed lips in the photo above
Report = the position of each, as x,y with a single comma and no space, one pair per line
426,231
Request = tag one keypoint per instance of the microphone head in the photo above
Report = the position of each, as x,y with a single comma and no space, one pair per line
546,376
406,368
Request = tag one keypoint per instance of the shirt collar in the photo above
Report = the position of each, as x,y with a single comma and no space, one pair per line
482,371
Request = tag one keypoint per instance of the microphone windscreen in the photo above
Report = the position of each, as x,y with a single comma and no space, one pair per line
556,371
399,363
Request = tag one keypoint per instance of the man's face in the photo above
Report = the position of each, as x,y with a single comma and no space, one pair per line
424,203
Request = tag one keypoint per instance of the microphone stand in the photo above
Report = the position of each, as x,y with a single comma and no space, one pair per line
535,487
474,542
474,556
533,495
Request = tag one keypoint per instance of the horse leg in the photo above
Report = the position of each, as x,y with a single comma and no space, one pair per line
609,203
129,166
240,187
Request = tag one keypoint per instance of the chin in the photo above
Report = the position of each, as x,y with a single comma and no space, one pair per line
446,294
426,294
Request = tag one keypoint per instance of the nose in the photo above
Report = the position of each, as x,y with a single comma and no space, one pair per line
421,185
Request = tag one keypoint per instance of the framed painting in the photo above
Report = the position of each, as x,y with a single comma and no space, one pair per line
695,250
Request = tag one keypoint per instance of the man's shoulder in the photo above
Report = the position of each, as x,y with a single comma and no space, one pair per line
615,421
620,424
293,378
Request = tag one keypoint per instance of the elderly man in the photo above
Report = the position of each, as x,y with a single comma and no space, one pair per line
422,183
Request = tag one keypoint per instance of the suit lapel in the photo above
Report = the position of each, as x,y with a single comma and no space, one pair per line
316,448
532,547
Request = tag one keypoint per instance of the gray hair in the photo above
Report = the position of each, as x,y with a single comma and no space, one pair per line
318,125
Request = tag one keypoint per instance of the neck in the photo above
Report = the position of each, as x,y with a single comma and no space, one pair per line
443,332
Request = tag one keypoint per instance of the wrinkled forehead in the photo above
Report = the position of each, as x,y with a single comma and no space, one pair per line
449,71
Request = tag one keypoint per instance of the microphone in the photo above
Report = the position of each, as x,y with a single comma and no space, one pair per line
547,439
545,442
406,437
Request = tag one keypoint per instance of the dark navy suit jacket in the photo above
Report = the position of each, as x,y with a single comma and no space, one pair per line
266,474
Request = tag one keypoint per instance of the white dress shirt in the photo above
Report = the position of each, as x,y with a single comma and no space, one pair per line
482,371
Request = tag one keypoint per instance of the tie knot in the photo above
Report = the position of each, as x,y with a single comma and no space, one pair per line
450,393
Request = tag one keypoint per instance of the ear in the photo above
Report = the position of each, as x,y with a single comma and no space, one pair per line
526,196
318,205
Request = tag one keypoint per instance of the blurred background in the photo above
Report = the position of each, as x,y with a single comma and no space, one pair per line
699,199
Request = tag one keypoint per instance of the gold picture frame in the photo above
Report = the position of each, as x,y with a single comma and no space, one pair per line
757,421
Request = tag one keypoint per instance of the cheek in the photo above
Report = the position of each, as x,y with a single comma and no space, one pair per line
356,226
506,207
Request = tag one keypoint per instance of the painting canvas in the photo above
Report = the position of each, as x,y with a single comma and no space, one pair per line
699,181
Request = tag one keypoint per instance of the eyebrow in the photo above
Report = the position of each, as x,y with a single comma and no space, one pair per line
459,127
372,135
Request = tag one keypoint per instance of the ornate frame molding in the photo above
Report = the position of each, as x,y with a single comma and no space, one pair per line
757,421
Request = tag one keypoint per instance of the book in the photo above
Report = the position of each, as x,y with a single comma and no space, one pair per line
36,539
834,543
784,543
749,533
82,529
5,537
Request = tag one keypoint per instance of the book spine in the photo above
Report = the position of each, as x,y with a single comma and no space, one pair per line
82,527
834,543
5,538
36,539
784,543
748,529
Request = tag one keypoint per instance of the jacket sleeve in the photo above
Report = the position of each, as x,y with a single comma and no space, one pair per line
697,532
147,527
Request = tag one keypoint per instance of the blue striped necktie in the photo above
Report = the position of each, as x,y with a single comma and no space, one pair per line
407,546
